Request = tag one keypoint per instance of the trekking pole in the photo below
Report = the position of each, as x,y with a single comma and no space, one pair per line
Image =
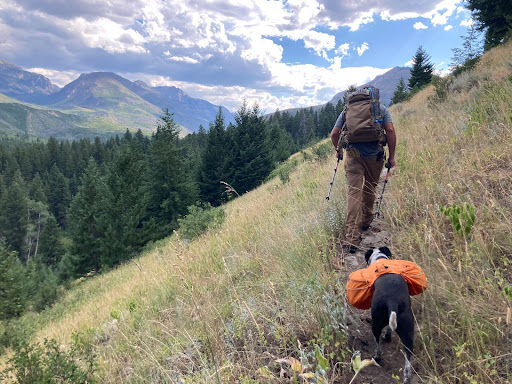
388,166
332,181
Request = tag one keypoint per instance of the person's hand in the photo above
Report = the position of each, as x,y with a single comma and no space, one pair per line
391,163
339,155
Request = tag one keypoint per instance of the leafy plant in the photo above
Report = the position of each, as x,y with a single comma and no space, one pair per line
462,218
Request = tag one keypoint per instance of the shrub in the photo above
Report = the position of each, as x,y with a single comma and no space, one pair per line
33,363
441,91
283,170
200,218
320,152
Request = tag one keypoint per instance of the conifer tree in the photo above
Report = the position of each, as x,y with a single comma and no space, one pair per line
50,249
327,119
13,218
400,93
421,71
86,221
340,105
12,290
213,161
58,196
252,160
494,17
171,191
126,204
37,189
53,152
280,142
306,127
42,285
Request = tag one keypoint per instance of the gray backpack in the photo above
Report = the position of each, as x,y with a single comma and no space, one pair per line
363,120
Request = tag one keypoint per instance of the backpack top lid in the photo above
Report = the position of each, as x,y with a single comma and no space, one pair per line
364,93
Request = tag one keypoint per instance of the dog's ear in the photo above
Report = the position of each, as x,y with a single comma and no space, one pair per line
367,255
386,251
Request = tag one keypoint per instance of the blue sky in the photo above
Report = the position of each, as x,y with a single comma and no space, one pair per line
277,53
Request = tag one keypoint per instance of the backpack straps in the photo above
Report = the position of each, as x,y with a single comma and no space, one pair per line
376,107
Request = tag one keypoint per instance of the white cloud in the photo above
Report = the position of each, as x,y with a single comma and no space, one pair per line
263,51
362,49
363,18
409,63
343,49
182,59
107,35
442,12
467,23
419,25
448,27
154,23
319,42
304,10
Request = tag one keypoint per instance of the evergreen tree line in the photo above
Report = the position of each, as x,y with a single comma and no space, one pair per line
71,208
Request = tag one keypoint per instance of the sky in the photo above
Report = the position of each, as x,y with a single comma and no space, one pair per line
277,53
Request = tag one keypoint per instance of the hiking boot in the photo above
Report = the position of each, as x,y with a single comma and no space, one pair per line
349,248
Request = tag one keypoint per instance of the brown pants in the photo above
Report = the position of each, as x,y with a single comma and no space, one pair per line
362,178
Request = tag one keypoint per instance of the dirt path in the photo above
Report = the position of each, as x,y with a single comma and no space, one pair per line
360,337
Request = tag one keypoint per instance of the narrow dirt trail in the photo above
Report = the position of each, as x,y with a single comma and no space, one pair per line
360,337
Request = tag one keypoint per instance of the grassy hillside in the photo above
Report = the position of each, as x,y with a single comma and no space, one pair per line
21,119
241,302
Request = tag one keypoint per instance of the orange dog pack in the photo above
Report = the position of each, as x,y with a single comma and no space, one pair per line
360,282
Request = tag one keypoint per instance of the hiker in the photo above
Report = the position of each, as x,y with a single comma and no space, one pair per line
364,158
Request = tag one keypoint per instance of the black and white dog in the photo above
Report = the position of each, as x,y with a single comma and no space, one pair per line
391,305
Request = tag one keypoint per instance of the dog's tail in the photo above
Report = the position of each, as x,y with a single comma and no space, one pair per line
392,321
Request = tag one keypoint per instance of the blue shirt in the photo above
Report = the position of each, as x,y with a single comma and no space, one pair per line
371,148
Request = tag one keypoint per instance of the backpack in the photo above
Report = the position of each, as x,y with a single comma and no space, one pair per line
362,118
360,282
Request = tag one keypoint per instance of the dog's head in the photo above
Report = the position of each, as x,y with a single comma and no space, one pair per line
374,254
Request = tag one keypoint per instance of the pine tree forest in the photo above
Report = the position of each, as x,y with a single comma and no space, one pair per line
73,209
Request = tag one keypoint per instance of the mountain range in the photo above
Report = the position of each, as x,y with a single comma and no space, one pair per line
95,104
104,104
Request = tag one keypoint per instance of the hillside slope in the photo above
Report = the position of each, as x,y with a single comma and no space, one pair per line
258,301
17,119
